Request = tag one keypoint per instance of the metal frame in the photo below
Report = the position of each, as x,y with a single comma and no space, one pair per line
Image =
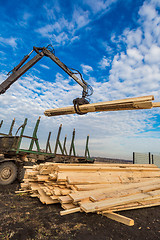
34,141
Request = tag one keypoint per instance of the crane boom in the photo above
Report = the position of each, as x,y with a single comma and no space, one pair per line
19,70
48,51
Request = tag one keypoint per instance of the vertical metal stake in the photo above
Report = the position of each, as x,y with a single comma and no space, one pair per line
48,143
11,128
149,157
133,157
20,137
72,144
87,148
1,123
58,141
64,145
35,136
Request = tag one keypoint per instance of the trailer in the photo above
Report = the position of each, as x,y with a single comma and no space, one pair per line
13,158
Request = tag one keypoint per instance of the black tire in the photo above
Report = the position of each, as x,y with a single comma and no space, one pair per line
8,173
21,172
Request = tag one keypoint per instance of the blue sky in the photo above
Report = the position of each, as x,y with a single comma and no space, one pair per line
115,44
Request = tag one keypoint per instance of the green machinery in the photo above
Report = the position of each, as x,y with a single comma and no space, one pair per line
13,157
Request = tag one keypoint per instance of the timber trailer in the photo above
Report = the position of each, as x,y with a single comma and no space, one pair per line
13,158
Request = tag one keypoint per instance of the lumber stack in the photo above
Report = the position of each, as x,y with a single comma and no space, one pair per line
144,102
97,188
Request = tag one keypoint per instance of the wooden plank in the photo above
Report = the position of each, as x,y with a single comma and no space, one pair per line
109,203
65,199
44,198
63,176
124,104
124,192
34,195
24,185
47,191
119,218
91,180
28,167
57,191
65,191
42,178
136,205
156,104
94,168
54,197
45,171
115,191
87,108
68,206
69,211
53,176
104,180
34,186
122,175
70,165
23,191
88,187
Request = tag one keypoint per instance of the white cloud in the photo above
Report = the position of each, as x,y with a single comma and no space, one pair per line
80,17
60,38
24,20
153,55
136,71
44,66
52,9
3,53
104,63
61,30
75,38
135,54
86,68
148,11
56,31
108,49
45,31
9,41
99,5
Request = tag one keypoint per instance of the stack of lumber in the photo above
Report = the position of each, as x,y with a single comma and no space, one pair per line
101,188
144,102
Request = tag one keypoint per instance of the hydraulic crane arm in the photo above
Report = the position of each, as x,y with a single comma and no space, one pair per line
48,51
18,71
50,54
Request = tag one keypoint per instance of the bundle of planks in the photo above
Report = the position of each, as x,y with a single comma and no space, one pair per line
101,188
144,102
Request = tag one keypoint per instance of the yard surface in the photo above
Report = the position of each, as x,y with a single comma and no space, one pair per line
26,218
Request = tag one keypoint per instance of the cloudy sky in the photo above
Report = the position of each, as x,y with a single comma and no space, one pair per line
115,44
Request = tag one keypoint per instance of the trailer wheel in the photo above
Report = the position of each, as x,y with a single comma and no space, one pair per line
8,173
20,174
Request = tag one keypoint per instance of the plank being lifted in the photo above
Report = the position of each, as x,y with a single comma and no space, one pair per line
144,102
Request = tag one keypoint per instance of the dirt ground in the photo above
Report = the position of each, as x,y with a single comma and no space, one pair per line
25,218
